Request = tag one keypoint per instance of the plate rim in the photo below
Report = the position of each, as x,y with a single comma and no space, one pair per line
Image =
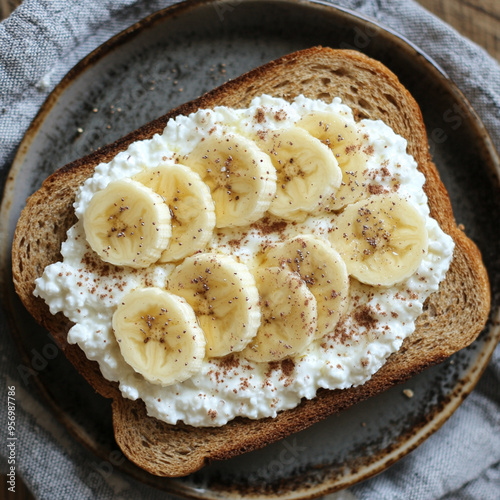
441,413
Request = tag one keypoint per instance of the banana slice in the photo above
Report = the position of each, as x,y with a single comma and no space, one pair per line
191,207
241,177
289,316
382,239
345,141
127,224
159,336
225,299
307,172
324,272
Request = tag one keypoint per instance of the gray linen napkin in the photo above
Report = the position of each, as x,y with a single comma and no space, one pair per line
39,43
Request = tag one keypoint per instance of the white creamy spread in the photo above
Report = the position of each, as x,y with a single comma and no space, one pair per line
88,290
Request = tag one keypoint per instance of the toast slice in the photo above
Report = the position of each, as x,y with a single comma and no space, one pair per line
452,317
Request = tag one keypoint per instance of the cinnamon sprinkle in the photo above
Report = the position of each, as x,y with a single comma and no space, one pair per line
363,316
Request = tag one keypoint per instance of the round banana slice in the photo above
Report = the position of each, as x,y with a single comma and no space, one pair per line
223,294
191,207
289,316
241,177
382,239
308,173
345,141
127,224
159,336
324,272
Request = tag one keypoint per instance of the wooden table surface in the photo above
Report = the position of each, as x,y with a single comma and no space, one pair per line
478,20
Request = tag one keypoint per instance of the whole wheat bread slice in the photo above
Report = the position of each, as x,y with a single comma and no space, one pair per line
452,318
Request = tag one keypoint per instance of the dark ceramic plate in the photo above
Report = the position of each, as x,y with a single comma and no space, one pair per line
174,56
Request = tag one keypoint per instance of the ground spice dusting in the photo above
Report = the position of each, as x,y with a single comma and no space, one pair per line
266,226
375,189
369,150
91,261
385,171
235,242
238,242
262,135
280,115
347,328
363,317
341,333
273,365
260,115
229,363
287,366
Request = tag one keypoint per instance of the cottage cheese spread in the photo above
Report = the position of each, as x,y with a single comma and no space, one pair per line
374,321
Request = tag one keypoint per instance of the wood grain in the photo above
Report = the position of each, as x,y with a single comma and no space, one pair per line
478,20
7,6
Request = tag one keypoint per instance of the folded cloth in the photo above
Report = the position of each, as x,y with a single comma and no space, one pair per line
39,43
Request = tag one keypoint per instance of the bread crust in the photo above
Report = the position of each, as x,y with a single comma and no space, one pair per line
452,317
